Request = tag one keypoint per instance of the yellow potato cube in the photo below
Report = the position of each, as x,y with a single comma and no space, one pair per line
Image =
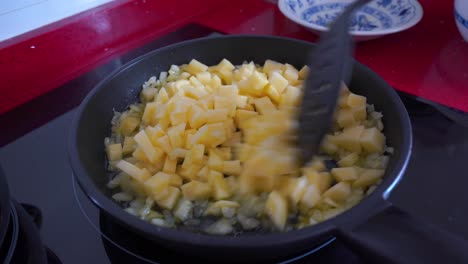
345,118
278,82
177,118
372,140
254,85
196,92
271,66
214,116
211,135
219,186
297,189
204,77
350,139
225,65
215,82
368,177
195,67
232,167
303,72
322,180
148,94
264,105
170,165
215,162
154,133
230,91
164,144
359,112
345,174
129,145
194,156
203,174
114,152
355,100
311,196
133,171
157,185
343,101
276,208
290,73
175,134
140,155
128,125
274,95
195,190
162,97
216,208
196,117
234,140
224,152
348,160
338,192
243,115
150,113
241,101
145,144
190,172
328,146
168,202
177,153
290,97
225,103
175,180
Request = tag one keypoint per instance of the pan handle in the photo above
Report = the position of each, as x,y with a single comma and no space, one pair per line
395,236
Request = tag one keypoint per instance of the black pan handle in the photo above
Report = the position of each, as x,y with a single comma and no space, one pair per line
395,236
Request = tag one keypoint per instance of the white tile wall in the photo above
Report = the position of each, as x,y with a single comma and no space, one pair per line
20,16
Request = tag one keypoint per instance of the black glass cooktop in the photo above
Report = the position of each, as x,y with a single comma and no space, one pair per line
34,158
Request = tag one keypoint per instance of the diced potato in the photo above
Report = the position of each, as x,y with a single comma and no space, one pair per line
345,118
157,185
345,174
310,197
316,164
359,112
148,94
303,72
149,114
290,97
232,167
241,101
271,66
372,140
203,174
215,162
225,65
276,208
194,155
328,146
355,100
348,160
170,165
216,207
278,82
264,105
223,152
350,139
140,155
230,91
226,103
220,188
190,172
162,96
322,180
290,73
254,85
368,178
114,152
338,192
164,144
196,190
243,115
195,67
274,95
129,124
168,202
144,143
234,140
177,153
211,135
175,134
129,145
154,133
214,116
298,187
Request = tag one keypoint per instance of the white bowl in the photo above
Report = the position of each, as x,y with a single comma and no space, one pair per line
376,19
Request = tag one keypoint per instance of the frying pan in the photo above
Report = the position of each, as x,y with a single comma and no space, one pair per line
373,228
4,206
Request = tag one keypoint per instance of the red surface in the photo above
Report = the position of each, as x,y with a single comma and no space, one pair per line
429,60
71,47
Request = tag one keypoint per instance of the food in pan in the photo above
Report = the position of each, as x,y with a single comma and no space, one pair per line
211,149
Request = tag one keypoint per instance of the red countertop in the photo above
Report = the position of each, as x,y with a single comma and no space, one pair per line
429,60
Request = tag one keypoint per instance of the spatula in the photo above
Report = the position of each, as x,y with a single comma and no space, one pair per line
330,64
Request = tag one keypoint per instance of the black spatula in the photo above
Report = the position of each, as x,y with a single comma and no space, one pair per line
330,65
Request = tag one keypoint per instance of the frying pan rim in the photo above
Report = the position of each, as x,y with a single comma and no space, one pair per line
366,206
4,205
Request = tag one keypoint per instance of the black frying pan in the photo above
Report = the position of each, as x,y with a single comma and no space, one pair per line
373,228
4,206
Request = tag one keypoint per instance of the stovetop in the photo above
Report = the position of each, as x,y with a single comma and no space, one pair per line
38,172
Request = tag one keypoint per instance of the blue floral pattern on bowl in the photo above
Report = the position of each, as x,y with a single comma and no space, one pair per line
377,16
